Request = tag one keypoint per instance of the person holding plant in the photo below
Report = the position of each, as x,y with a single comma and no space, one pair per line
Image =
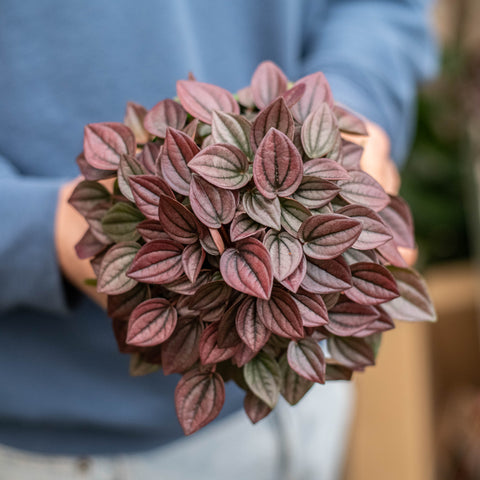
67,405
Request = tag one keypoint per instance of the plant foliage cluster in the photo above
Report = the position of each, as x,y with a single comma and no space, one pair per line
243,242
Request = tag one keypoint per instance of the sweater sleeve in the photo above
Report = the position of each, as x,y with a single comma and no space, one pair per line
374,53
29,273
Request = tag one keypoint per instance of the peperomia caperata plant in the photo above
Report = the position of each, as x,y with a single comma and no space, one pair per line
243,242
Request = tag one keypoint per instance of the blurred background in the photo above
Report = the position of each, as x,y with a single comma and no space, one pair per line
418,411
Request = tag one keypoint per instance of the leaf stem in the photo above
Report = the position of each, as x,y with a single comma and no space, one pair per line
217,238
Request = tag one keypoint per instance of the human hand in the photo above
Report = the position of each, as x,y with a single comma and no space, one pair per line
69,229
377,162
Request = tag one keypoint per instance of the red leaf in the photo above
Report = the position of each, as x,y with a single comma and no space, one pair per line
280,314
314,192
199,397
293,214
185,287
222,165
294,94
317,92
276,115
372,284
374,231
249,326
349,122
306,358
268,82
134,116
320,132
210,351
181,350
151,323
87,195
193,257
247,268
329,235
147,158
327,276
164,114
312,309
113,278
243,355
121,306
353,353
262,210
146,190
347,317
243,226
213,206
104,144
277,167
326,169
285,252
362,189
201,99
351,155
211,295
152,230
177,151
179,222
255,408
232,129
88,246
91,173
293,281
398,217
159,262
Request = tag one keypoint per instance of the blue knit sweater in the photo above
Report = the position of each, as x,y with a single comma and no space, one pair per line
63,386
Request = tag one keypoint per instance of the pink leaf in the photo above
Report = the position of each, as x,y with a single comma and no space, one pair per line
146,190
320,132
398,217
134,116
293,215
293,281
306,358
353,353
210,351
314,192
285,252
249,326
179,222
255,408
201,99
312,309
294,94
325,168
268,82
232,129
164,114
247,268
327,276
243,226
193,257
348,122
211,295
262,210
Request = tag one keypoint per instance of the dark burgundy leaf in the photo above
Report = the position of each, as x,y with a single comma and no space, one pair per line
325,168
120,326
338,372
317,92
112,278
285,252
213,206
329,235
293,281
314,192
320,132
213,315
164,114
181,350
227,336
263,377
151,323
374,231
201,99
223,165
312,309
362,189
306,358
184,286
243,226
347,317
262,210
294,94
199,397
249,326
91,173
211,295
147,190
268,82
331,299
293,214
87,195
294,387
158,262
247,268
88,246
148,157
134,116
281,315
121,306
210,351
327,276
193,257
120,222
128,167
348,122
243,355
232,129
177,151
353,353
139,366
383,323
276,115
277,167
414,303
179,222
398,217
152,230
255,408
372,284
105,143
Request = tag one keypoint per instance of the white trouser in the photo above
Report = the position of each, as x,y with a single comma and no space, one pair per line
305,442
